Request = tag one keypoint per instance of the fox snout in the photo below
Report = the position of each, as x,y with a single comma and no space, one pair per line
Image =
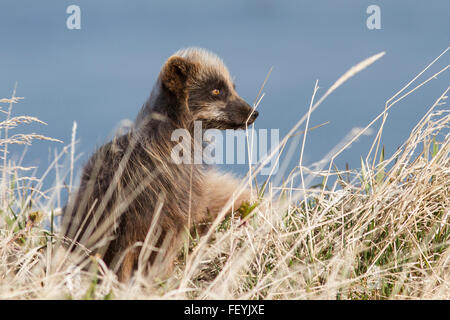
241,113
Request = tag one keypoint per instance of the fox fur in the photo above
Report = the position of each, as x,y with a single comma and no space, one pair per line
131,191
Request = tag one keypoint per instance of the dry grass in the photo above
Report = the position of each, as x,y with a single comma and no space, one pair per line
380,232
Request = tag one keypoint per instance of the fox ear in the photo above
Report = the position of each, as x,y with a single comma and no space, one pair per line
175,73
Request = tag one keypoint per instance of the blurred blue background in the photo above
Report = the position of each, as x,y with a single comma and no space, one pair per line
103,73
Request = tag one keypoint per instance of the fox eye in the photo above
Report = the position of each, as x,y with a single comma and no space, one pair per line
215,92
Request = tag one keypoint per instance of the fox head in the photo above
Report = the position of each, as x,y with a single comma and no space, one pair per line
196,82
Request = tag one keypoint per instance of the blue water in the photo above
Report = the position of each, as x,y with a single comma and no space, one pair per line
102,73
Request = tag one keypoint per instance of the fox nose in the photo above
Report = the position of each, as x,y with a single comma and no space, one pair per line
253,116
